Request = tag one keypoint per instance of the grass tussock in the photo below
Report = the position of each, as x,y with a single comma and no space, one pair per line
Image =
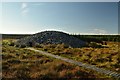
20,63
103,57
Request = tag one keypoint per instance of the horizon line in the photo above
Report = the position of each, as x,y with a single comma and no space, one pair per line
64,32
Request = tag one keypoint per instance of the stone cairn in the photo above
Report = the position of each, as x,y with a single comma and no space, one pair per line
51,37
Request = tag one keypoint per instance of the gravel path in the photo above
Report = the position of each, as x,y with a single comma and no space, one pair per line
87,66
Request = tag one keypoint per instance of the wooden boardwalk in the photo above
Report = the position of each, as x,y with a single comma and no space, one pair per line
87,66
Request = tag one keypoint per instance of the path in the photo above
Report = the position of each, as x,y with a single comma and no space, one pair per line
88,66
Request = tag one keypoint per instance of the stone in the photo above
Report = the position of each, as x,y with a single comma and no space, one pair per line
51,37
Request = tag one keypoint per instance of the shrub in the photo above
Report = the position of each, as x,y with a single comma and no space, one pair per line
37,45
7,56
22,74
52,45
67,51
16,45
62,46
22,46
5,42
14,61
12,44
95,45
66,46
45,49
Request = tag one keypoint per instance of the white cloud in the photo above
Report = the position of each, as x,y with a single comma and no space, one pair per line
95,34
99,31
24,8
95,31
24,5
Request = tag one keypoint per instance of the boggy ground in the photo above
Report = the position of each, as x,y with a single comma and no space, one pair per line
19,63
106,57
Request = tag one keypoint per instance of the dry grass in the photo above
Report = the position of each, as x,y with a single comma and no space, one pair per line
19,63
108,58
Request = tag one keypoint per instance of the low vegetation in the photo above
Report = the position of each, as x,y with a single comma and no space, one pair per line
106,56
20,63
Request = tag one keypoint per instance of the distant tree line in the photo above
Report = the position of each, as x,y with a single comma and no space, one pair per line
99,38
14,36
87,38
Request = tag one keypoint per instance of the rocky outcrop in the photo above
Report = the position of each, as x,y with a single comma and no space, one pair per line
51,37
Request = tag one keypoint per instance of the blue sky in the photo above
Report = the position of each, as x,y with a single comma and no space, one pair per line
70,17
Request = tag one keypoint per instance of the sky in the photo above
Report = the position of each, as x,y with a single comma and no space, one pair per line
60,0
69,17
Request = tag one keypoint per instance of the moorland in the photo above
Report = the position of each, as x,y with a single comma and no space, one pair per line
20,63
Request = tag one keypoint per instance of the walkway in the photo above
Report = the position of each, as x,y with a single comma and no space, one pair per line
87,66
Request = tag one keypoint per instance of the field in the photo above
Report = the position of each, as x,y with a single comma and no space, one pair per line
21,63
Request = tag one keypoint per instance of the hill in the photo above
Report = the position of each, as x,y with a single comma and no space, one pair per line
51,37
